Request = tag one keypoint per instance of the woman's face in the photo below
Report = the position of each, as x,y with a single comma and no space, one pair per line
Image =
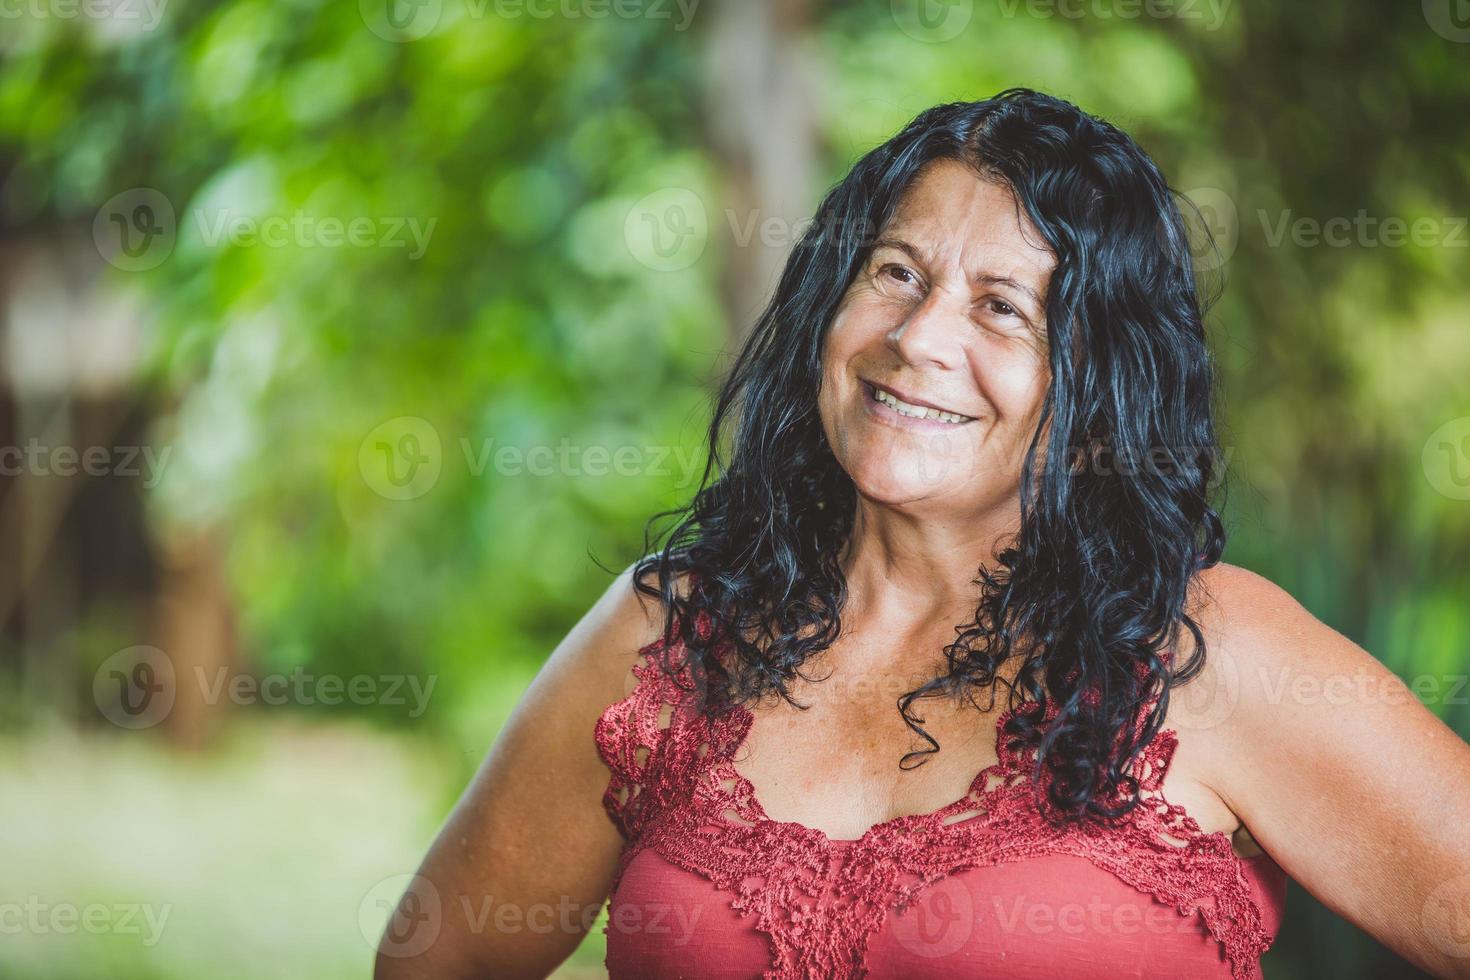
935,366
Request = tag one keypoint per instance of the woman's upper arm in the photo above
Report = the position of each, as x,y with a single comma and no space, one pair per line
523,864
1342,774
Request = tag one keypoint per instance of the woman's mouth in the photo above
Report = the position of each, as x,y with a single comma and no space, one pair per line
887,405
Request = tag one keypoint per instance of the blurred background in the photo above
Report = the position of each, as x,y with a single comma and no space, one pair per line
340,343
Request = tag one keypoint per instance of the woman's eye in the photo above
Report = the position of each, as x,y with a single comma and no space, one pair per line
899,273
1003,308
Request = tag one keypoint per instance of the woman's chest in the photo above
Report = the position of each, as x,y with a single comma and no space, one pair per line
849,760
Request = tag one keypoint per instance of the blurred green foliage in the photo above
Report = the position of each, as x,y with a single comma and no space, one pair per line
521,144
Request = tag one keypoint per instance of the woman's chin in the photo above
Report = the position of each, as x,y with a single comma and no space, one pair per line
907,486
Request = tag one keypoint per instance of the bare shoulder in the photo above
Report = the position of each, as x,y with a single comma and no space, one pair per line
1258,641
597,655
1236,603
590,669
1237,613
1260,638
1274,675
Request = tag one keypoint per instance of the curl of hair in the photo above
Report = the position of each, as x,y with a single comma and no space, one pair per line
1091,592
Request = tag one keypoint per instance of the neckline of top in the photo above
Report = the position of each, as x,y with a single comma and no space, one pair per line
975,794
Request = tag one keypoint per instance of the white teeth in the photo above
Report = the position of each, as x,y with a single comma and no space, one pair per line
917,411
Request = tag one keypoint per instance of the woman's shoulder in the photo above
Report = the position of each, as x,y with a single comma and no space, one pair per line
1246,621
1231,597
599,654
1264,651
593,667
1249,623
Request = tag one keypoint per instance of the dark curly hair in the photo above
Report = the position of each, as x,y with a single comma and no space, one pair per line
1091,592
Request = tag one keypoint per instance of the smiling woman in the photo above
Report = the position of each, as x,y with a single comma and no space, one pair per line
915,501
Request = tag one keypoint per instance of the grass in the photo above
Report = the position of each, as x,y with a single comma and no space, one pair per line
126,858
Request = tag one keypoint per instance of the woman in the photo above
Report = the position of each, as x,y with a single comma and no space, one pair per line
971,444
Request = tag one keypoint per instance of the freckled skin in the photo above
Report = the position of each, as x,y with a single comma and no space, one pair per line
923,324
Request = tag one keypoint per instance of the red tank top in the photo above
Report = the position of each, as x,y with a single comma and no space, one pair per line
709,886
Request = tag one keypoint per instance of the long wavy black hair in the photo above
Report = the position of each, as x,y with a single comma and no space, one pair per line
1091,591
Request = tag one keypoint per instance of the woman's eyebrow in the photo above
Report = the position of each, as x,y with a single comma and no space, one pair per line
899,244
990,279
982,278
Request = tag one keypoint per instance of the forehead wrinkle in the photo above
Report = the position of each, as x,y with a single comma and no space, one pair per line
948,189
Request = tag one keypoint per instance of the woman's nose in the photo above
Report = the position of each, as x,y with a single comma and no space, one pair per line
929,333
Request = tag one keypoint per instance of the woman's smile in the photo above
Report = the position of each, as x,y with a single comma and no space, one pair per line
886,406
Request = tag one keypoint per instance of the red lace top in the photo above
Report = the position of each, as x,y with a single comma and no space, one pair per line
709,886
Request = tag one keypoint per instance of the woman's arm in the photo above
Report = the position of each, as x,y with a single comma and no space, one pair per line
1340,771
523,864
